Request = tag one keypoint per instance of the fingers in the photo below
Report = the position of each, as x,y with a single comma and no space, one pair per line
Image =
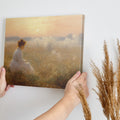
75,76
7,88
82,77
11,85
83,81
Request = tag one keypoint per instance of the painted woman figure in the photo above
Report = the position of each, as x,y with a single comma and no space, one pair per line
18,63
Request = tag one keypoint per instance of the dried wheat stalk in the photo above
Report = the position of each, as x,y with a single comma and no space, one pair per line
108,88
86,110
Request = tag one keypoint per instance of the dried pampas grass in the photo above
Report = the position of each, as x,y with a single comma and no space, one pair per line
86,110
108,84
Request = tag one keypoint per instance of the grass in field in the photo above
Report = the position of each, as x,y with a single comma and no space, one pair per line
53,67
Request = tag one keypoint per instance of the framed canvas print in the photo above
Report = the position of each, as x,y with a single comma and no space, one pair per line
43,51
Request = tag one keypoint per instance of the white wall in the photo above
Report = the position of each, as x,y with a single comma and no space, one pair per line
102,22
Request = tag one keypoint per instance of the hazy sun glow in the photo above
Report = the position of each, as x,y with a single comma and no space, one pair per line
44,26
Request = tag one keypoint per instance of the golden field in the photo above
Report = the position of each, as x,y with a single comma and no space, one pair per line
54,66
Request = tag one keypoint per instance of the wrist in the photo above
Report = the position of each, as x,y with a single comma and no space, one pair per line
71,101
67,105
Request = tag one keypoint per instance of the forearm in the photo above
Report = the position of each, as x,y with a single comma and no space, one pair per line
59,111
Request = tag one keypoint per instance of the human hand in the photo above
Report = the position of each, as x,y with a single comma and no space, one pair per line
71,93
64,107
3,83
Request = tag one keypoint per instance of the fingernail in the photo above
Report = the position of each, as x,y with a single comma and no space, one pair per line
78,73
3,69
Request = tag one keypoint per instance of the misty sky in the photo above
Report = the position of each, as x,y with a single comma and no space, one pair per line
44,26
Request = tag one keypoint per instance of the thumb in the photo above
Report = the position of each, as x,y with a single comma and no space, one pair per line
3,72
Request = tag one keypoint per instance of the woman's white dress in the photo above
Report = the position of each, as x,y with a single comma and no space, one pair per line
19,64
